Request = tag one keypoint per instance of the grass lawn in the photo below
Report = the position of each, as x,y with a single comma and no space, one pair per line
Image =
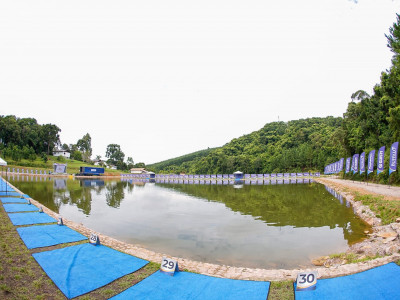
38,164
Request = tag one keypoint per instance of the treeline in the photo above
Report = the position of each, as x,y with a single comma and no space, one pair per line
310,144
25,138
374,121
299,145
169,166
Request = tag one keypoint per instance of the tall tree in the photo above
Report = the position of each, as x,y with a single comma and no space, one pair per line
85,146
115,155
50,136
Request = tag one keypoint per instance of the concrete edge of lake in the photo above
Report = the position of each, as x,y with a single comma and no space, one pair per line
390,248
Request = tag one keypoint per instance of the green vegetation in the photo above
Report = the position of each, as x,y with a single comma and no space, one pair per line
281,290
352,258
301,145
39,164
175,165
387,211
25,138
306,145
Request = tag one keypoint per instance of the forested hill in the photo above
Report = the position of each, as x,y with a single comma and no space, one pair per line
306,144
180,161
370,121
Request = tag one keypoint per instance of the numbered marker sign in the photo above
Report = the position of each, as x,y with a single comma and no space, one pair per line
94,239
169,266
306,281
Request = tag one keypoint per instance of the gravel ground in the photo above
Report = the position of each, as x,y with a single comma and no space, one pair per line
389,192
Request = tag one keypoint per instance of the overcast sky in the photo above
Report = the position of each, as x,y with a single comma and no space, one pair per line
166,78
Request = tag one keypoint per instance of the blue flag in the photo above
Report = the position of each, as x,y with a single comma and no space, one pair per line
348,162
371,160
355,163
381,159
393,157
362,163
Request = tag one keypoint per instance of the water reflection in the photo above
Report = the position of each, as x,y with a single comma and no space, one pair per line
284,205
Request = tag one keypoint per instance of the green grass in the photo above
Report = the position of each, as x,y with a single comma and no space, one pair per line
281,290
38,164
353,258
388,211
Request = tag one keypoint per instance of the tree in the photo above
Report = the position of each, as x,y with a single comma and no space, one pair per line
77,155
85,146
50,136
360,95
115,155
129,163
394,37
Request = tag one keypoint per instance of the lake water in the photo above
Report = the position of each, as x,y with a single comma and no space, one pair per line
257,226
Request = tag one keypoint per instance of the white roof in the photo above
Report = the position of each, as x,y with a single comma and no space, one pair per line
3,162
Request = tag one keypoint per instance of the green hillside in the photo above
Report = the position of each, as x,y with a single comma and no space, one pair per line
306,144
170,164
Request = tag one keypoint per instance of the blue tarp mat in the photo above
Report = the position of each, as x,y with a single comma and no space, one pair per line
13,200
48,235
30,218
7,189
379,283
19,207
184,285
77,270
13,194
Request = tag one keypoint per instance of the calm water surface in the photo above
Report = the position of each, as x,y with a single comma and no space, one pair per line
258,226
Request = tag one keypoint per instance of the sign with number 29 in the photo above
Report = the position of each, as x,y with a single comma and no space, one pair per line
169,266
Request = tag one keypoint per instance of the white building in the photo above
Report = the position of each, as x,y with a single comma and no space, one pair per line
63,153
138,171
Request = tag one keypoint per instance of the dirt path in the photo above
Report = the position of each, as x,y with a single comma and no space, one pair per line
388,192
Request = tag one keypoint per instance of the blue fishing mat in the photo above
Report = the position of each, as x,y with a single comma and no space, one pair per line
48,235
30,218
79,269
379,283
19,207
10,194
185,285
13,200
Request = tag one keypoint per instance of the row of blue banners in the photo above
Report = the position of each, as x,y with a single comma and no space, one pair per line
220,182
357,164
225,176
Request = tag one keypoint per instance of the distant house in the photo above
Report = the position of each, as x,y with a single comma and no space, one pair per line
99,162
138,171
64,153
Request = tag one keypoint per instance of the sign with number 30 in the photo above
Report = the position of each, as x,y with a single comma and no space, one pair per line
306,281
169,266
